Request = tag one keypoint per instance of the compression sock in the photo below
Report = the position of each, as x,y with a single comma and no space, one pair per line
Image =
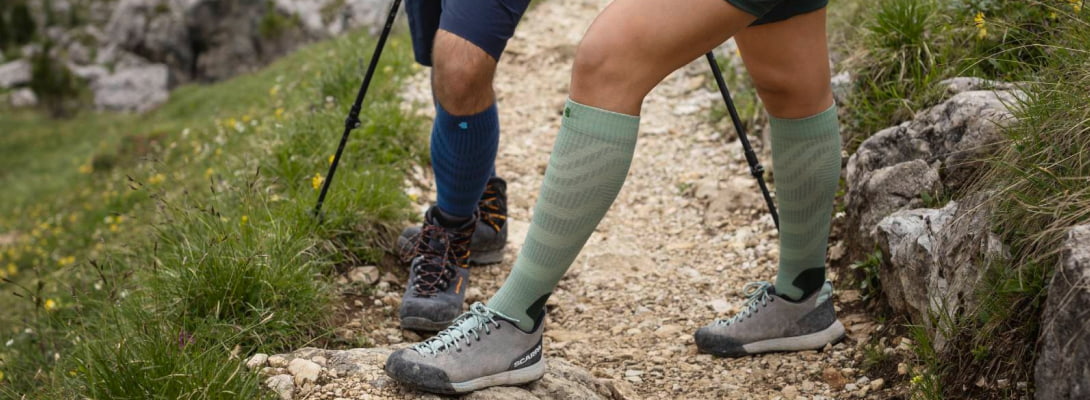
806,155
586,170
463,155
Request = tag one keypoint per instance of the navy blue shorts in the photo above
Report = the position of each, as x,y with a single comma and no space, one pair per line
485,23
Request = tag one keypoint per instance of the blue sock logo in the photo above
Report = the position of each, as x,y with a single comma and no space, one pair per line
463,125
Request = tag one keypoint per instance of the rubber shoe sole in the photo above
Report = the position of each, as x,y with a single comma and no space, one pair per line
516,377
811,341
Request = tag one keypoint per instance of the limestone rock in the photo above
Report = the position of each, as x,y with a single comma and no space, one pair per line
257,361
14,73
932,257
948,139
23,97
132,89
969,83
1063,361
304,371
282,386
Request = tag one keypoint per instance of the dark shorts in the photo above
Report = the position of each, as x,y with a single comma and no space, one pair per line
485,23
769,11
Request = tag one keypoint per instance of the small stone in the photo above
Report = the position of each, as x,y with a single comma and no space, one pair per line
257,361
1021,386
834,378
282,386
877,384
319,360
851,387
368,274
902,369
790,392
633,372
278,361
1003,383
305,371
719,306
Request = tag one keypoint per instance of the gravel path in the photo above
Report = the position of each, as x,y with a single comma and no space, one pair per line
687,232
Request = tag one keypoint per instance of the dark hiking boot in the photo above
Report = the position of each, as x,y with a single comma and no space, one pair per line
490,235
769,323
482,348
438,276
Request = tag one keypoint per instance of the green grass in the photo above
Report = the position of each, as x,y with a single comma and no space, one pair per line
150,254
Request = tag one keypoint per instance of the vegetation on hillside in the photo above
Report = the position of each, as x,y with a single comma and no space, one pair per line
1039,181
144,256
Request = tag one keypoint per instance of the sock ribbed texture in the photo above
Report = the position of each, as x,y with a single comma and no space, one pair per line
587,168
463,156
806,155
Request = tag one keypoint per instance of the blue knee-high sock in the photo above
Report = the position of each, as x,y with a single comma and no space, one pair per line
463,155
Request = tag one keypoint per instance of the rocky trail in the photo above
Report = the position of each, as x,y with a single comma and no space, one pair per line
687,232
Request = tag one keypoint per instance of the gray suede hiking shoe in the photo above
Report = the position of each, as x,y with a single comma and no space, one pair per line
438,277
490,236
482,348
772,323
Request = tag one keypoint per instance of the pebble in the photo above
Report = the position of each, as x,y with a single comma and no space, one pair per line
278,361
282,386
257,361
877,384
304,371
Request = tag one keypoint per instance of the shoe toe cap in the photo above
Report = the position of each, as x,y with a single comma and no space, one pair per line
407,366
712,340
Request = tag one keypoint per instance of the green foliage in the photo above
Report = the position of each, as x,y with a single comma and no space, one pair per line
17,26
273,24
152,253
54,84
866,274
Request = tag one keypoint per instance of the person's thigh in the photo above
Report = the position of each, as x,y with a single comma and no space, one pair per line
789,63
488,24
634,44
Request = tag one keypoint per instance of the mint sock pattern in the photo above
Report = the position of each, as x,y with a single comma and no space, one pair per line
806,155
587,168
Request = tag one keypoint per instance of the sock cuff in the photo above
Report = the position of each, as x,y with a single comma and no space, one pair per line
599,123
465,122
811,126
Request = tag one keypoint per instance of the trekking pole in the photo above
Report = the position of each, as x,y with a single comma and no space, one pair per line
755,167
353,119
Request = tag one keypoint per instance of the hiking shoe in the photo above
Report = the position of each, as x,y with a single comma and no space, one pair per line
438,276
482,348
770,322
489,238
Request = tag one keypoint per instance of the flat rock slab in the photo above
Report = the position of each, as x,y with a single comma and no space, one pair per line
358,374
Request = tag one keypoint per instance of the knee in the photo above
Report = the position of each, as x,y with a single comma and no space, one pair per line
788,96
599,64
612,73
462,80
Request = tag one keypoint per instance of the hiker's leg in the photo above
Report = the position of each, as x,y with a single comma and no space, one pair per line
462,41
789,63
628,49
471,35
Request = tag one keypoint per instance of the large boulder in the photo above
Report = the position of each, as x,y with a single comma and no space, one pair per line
14,73
1063,358
931,156
358,373
132,89
932,260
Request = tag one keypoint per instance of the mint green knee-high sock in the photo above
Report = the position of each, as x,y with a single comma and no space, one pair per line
586,170
806,155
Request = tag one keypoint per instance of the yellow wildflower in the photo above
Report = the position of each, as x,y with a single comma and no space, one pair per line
918,379
316,181
50,304
66,261
331,159
388,70
218,152
209,172
242,221
280,112
1076,5
274,91
114,228
246,119
157,179
981,25
86,169
72,373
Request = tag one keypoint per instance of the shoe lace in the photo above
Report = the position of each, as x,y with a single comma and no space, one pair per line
492,207
757,294
465,329
436,267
